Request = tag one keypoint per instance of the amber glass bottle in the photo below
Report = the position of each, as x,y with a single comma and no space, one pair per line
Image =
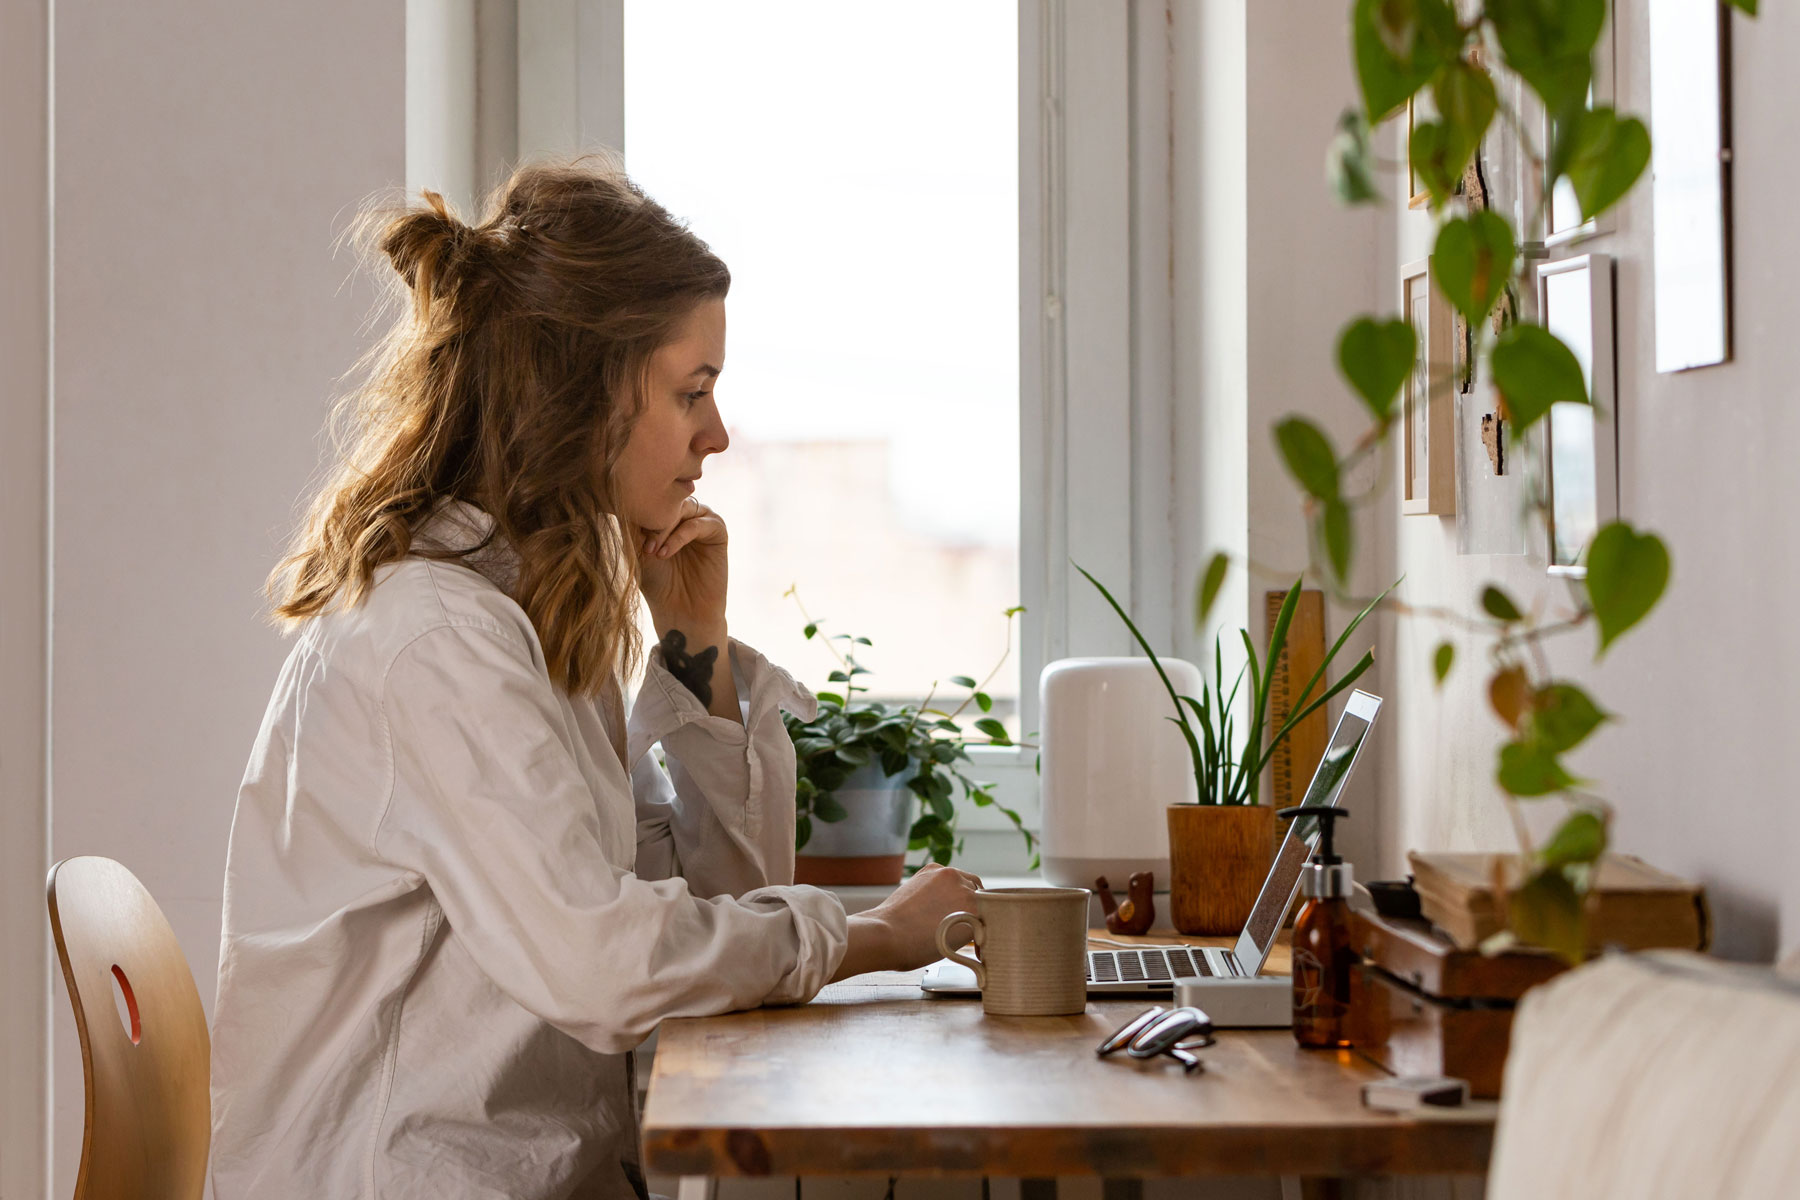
1323,956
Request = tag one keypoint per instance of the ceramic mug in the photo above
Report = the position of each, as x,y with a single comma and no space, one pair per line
1033,947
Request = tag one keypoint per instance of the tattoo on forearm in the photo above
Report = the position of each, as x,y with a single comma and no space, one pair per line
694,670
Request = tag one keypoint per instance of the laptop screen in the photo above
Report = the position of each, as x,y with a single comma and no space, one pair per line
1327,785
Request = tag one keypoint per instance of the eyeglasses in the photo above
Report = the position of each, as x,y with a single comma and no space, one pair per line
1174,1032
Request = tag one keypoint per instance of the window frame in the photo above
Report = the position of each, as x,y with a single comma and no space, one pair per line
1095,314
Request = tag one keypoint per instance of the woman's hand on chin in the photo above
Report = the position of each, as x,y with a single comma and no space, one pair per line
683,570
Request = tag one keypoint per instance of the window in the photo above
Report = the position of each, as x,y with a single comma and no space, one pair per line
857,167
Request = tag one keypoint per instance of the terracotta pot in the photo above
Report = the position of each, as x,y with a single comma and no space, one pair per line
1219,855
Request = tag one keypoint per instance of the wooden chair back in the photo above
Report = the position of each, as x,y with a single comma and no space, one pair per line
145,1054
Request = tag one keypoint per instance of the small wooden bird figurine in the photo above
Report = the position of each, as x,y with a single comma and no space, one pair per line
1138,913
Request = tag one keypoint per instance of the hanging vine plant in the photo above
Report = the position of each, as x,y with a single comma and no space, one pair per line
1403,49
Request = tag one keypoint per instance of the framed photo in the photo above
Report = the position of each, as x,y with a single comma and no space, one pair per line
1581,442
1416,196
1690,183
1563,224
1428,412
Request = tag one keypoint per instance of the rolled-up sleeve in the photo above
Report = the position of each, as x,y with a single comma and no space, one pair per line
490,805
727,822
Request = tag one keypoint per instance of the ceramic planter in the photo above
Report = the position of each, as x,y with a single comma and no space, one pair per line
869,845
1219,855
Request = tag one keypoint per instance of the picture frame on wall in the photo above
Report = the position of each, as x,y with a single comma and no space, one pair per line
1428,402
1563,223
1690,183
1581,442
1416,195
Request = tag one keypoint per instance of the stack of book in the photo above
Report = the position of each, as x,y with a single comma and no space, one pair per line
1631,905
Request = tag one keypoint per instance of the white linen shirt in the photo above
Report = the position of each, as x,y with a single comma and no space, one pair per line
451,913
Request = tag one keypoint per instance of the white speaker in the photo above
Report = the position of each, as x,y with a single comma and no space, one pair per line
1112,762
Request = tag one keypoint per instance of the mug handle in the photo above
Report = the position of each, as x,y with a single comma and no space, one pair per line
979,935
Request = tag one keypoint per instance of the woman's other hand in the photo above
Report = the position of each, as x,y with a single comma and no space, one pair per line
901,933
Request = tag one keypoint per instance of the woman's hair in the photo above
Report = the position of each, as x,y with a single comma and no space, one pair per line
511,381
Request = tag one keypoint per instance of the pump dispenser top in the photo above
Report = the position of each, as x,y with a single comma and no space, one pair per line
1326,876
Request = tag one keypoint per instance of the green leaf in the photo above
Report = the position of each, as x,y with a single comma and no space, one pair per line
1335,532
1533,370
984,702
1747,7
1309,456
1398,45
995,730
1547,911
827,807
1437,158
1627,572
1603,156
829,698
1549,43
1527,769
1562,716
855,756
1580,839
962,681
863,641
838,677
1376,357
1442,661
1498,605
1465,100
1350,162
802,831
1211,580
810,630
1472,261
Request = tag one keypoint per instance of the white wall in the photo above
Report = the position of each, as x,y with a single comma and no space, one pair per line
207,155
24,589
1266,268
1699,764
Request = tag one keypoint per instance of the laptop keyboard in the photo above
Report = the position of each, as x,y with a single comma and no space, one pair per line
1158,966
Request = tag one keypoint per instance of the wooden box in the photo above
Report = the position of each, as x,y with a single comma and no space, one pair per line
1422,1006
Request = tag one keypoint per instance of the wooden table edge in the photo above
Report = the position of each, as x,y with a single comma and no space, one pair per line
1454,1144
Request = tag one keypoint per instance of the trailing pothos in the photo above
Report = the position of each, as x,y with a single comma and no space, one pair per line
1402,48
851,733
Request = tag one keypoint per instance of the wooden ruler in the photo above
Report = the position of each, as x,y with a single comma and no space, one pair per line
1298,755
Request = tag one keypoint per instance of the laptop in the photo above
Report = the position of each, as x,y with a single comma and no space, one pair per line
1158,969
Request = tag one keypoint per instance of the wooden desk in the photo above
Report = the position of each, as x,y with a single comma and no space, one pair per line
873,1077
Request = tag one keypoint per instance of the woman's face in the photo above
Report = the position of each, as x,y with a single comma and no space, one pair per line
679,425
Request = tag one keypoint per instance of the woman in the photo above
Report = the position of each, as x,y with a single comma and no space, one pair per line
459,889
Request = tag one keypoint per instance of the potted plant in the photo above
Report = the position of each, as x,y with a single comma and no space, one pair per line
1220,846
862,763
